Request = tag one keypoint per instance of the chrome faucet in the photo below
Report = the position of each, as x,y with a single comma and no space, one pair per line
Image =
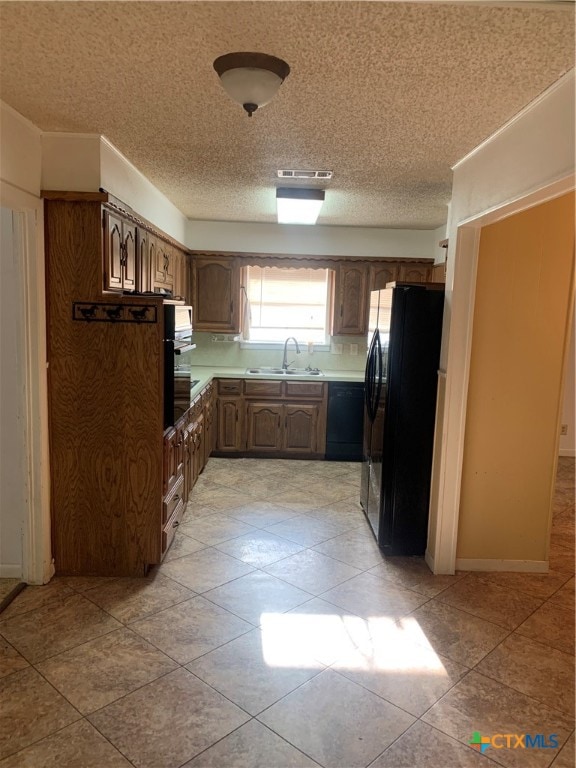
285,362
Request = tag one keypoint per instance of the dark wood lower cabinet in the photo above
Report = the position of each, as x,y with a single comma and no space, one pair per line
272,418
300,428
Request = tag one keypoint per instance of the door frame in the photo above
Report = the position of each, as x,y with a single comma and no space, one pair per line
37,561
461,286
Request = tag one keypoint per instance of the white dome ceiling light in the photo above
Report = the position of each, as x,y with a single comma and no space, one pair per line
251,79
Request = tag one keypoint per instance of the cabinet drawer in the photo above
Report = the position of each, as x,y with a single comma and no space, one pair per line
307,389
172,526
229,386
263,388
171,502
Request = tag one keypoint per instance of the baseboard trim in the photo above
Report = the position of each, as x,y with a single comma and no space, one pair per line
10,571
569,452
488,564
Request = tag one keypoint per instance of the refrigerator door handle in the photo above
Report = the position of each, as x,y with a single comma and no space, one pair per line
378,359
368,379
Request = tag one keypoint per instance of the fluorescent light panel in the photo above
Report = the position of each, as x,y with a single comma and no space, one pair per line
298,206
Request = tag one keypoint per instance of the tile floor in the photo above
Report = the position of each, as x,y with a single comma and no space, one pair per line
275,635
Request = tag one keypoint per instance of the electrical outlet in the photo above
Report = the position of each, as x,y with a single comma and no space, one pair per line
336,349
353,349
564,429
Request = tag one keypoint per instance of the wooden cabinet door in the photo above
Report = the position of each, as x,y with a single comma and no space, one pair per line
170,460
129,256
230,425
181,276
382,274
300,422
414,273
143,264
264,427
113,251
217,295
350,311
163,265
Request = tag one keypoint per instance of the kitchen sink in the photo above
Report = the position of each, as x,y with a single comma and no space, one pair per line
264,371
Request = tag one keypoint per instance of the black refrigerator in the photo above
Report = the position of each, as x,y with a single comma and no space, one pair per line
405,332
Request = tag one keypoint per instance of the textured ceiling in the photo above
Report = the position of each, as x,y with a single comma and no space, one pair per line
387,95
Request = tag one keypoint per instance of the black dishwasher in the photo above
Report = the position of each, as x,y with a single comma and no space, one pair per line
345,420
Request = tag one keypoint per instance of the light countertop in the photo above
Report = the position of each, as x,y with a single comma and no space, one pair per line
204,374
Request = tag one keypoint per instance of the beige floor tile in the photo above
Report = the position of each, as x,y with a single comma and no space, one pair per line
6,587
541,585
561,559
251,746
369,596
30,709
77,746
262,513
565,757
224,499
563,530
10,659
453,633
181,546
565,595
190,629
168,721
353,548
305,530
320,717
256,594
84,583
343,514
32,598
216,529
404,673
317,628
413,573
61,624
259,548
254,673
132,599
196,510
425,747
205,570
537,670
312,571
480,704
98,672
297,500
551,624
505,607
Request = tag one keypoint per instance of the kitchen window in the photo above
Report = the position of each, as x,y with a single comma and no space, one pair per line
287,302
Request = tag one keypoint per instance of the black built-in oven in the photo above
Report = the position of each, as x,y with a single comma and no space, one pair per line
177,341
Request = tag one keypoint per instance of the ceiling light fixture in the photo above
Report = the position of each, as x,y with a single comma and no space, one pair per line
251,79
298,206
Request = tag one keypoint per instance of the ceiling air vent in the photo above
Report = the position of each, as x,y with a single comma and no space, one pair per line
290,174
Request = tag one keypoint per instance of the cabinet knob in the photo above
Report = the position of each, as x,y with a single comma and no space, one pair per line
175,524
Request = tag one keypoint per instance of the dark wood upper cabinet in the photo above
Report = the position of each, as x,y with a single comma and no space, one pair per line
216,294
350,300
119,253
382,274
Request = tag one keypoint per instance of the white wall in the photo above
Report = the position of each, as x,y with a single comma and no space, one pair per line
316,240
528,160
87,162
125,181
20,151
71,162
